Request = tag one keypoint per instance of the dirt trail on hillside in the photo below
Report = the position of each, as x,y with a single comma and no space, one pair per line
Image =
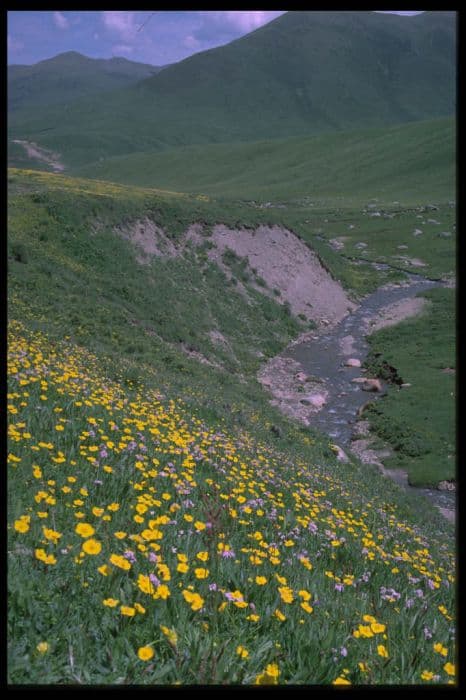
42,154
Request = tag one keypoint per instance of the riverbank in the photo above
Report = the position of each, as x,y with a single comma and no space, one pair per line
311,382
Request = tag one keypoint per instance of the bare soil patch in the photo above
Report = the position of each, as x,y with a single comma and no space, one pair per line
42,154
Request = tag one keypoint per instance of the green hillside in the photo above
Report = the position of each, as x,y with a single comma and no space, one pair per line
302,74
166,525
414,162
70,76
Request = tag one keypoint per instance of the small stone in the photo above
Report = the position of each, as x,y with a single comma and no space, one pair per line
353,362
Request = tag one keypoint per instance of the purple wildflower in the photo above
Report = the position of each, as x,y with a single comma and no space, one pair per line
153,579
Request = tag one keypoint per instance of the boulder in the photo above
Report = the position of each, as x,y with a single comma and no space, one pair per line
359,380
446,486
301,376
372,385
353,362
316,400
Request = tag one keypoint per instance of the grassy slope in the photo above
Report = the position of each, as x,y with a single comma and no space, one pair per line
302,74
77,381
85,278
142,296
409,161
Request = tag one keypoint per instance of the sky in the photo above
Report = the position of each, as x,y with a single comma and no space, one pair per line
157,38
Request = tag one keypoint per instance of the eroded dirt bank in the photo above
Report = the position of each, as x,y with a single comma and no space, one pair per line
292,273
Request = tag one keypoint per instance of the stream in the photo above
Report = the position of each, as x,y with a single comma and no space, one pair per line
323,357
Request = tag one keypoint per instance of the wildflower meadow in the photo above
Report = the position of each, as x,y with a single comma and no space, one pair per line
147,546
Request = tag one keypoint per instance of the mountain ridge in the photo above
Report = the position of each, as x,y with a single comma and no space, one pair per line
303,73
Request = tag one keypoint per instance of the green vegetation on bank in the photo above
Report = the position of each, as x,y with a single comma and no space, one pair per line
418,421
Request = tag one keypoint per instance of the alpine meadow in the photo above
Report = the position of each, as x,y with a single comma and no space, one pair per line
231,335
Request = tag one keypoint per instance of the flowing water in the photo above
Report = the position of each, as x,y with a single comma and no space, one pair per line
322,356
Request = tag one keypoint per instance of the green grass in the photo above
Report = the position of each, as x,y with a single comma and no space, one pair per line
418,421
409,161
95,369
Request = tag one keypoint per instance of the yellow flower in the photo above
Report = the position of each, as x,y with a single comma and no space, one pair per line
279,615
369,618
84,529
341,681
182,568
145,653
42,555
42,647
120,535
140,608
21,525
121,562
365,631
381,651
449,668
269,676
104,570
305,606
110,602
199,526
170,634
201,573
129,612
113,506
97,511
194,599
377,628
364,668
427,675
305,595
440,649
242,652
253,617
203,556
91,546
261,580
162,592
286,594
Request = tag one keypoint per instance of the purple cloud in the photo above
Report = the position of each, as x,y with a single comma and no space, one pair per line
60,20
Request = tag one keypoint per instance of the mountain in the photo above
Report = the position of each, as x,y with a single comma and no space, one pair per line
70,76
302,74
